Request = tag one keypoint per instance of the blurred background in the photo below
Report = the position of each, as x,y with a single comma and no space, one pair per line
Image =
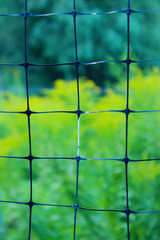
102,87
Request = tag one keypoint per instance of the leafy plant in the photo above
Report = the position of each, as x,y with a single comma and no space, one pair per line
101,183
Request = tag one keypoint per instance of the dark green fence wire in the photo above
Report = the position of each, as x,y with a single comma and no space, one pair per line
127,111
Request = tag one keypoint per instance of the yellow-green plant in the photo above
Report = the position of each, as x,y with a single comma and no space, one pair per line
101,183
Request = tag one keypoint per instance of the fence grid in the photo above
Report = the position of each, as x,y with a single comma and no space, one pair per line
127,111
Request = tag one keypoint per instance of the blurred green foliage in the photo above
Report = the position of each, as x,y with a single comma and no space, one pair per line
51,39
101,183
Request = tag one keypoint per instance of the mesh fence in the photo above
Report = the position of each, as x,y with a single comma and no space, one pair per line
127,111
